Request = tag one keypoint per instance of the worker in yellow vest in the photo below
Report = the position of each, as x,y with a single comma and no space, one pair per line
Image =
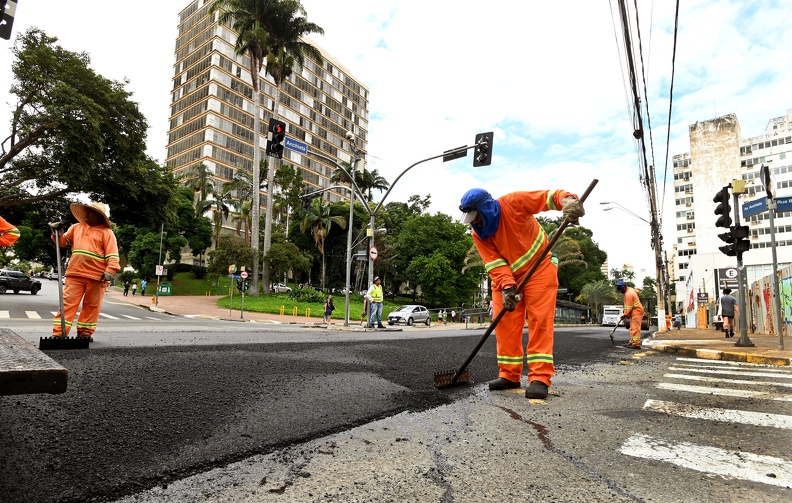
374,296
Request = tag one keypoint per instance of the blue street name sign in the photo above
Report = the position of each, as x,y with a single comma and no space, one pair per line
760,205
293,144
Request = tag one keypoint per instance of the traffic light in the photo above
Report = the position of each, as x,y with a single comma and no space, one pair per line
482,153
736,237
276,134
7,13
724,208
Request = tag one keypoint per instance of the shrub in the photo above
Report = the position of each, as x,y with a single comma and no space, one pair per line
199,271
307,295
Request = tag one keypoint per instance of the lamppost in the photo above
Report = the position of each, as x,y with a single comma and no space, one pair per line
657,244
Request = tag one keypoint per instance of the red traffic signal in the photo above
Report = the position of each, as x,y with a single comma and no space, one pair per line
276,134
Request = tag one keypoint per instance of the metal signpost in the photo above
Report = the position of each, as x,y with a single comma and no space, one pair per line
243,276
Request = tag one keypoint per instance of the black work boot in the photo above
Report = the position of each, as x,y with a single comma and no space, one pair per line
537,389
503,383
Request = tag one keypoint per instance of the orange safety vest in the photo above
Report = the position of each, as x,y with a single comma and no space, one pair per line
8,233
509,253
94,250
632,303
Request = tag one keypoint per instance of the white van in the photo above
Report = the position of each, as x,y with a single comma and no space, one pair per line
611,315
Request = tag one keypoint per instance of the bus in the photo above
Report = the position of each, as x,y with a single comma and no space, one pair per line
611,315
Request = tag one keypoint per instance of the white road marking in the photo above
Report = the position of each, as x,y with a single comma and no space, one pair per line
731,381
130,317
723,362
722,415
729,464
741,372
5,314
738,393
109,316
33,314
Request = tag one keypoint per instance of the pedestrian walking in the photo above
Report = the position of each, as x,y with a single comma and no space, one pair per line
328,308
134,288
453,316
94,261
126,288
508,237
143,284
728,308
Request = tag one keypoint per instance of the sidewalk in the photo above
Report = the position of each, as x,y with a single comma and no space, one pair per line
699,343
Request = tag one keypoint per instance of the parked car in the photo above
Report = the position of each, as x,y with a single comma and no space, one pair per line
281,288
410,315
17,281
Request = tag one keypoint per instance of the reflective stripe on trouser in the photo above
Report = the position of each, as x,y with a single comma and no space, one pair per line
76,290
539,299
635,329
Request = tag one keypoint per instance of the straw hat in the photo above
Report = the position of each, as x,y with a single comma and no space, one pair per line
80,210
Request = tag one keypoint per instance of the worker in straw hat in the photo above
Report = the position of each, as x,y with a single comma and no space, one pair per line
93,263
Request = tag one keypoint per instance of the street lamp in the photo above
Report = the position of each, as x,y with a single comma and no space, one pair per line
619,206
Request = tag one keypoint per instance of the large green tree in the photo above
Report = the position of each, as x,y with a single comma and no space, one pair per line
74,131
319,219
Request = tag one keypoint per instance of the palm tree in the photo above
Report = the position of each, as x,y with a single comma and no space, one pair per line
375,182
286,26
242,218
222,203
598,294
199,179
246,17
319,221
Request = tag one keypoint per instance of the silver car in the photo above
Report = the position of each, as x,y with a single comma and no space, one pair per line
410,314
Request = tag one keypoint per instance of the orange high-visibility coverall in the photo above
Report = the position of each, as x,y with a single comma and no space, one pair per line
94,251
634,309
8,233
507,256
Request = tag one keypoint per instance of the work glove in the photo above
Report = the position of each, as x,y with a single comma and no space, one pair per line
510,298
572,209
107,276
57,226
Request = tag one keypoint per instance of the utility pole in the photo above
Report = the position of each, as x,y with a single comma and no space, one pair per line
657,244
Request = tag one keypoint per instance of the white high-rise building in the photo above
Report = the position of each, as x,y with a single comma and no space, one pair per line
718,155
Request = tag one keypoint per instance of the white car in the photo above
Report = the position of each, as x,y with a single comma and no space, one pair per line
281,288
410,315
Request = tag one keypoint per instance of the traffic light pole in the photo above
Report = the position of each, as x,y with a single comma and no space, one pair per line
744,340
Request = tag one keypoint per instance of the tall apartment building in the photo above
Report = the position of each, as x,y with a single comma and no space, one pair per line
718,154
212,106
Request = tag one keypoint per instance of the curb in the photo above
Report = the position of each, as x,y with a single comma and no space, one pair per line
714,354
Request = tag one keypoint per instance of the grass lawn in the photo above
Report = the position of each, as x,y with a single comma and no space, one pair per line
184,283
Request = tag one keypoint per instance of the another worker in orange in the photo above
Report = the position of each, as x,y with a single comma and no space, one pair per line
8,233
634,311
509,239
93,263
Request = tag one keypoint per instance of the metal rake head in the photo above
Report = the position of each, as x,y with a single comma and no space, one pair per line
446,379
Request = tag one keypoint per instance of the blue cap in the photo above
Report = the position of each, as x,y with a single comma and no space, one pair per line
620,284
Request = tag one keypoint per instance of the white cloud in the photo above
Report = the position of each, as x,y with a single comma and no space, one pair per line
544,76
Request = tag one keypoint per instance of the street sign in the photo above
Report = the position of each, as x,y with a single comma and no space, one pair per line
232,269
455,153
760,205
373,253
160,270
243,275
702,297
361,255
293,144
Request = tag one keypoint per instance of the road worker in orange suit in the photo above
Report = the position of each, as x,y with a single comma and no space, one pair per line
93,263
633,309
509,240
8,233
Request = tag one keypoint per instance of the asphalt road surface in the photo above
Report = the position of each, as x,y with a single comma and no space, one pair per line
162,413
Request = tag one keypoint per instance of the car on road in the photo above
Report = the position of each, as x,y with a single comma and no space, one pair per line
281,288
410,314
17,281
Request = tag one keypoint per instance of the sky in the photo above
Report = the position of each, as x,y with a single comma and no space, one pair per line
548,78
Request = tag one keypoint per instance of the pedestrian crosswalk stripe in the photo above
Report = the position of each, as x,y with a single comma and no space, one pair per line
715,363
5,314
109,316
740,372
130,317
722,415
33,314
730,381
729,464
153,318
738,393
